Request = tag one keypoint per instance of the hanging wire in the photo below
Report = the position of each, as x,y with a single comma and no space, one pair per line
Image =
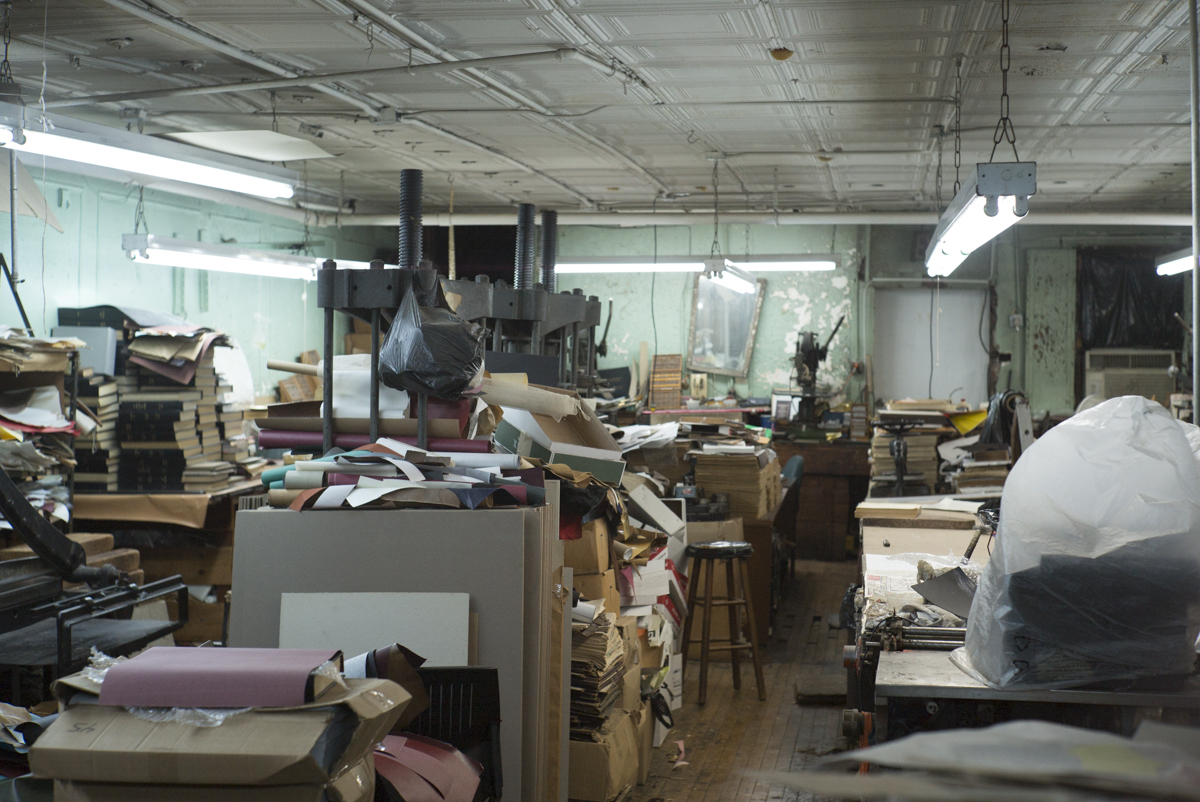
958,123
716,244
274,118
1004,127
139,212
937,178
775,198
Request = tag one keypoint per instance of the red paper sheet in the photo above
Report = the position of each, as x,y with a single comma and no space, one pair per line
425,770
180,677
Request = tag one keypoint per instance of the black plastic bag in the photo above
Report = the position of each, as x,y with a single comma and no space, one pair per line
431,350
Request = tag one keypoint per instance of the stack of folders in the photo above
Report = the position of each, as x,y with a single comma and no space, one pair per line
597,671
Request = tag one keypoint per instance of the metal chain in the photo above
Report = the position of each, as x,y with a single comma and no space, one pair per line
716,244
6,68
958,123
1004,127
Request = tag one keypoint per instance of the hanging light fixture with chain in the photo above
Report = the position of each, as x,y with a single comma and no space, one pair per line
995,196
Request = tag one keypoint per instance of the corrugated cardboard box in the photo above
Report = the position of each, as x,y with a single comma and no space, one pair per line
590,553
644,722
631,695
356,784
578,440
602,770
600,586
308,745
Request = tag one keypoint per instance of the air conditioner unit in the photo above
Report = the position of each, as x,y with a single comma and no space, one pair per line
1113,372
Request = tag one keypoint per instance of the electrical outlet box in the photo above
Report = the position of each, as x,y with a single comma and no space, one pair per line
1016,321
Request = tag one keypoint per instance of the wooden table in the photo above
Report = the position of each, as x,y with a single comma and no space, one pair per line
818,515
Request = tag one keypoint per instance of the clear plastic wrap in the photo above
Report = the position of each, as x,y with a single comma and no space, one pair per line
188,716
1095,575
431,350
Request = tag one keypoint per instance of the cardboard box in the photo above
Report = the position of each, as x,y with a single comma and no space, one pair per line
590,554
672,686
602,770
579,441
644,723
356,784
651,657
648,508
600,586
277,746
631,694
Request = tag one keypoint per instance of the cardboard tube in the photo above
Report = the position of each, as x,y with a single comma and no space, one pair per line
293,367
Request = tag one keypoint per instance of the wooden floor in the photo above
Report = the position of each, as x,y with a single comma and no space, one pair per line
734,733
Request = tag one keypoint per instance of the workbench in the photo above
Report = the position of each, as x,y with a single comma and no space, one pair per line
914,690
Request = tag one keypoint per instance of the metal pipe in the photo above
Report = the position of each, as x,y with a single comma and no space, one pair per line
193,34
311,80
549,249
640,219
526,242
12,209
376,324
410,218
389,22
327,384
1194,93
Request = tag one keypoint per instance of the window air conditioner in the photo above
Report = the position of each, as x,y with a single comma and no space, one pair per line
1113,372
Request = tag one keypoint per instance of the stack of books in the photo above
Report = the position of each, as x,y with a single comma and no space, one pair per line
168,432
597,674
97,454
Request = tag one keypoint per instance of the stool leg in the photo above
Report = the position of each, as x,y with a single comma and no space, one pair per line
693,581
734,629
758,672
705,629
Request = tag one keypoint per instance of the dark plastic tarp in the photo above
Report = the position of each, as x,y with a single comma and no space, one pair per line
1124,303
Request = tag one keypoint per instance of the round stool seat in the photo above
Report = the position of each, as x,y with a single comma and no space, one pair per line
720,549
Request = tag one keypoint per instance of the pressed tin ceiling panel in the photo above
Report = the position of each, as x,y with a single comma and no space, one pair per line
1099,94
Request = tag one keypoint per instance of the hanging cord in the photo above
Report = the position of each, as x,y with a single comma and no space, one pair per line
452,268
1004,127
274,118
958,123
139,213
654,275
775,198
715,250
937,178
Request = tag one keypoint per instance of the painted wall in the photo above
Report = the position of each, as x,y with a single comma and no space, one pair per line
657,306
1031,267
85,266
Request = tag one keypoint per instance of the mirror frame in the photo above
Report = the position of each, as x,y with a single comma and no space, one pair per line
747,352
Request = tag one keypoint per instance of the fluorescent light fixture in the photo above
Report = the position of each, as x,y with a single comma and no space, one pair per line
621,267
1177,262
993,199
725,273
81,150
156,250
803,265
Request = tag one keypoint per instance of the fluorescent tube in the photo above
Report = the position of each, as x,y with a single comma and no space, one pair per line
1177,262
660,267
801,266
152,249
133,161
966,224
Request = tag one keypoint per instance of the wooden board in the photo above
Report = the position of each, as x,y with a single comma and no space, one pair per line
204,623
196,566
93,543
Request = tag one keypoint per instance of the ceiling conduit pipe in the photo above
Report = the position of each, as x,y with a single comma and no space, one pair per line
526,242
192,34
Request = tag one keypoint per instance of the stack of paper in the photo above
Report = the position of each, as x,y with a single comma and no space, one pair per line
922,455
752,481
597,674
97,453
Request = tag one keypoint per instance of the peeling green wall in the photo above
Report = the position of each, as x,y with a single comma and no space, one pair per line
85,266
794,302
1032,269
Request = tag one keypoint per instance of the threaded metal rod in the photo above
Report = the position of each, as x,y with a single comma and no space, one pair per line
549,250
411,245
526,243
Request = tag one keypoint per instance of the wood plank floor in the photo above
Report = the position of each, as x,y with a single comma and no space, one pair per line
735,733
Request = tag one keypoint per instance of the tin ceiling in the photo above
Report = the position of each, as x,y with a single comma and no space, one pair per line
849,122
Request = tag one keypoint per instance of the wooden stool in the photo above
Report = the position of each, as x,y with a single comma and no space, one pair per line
709,554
